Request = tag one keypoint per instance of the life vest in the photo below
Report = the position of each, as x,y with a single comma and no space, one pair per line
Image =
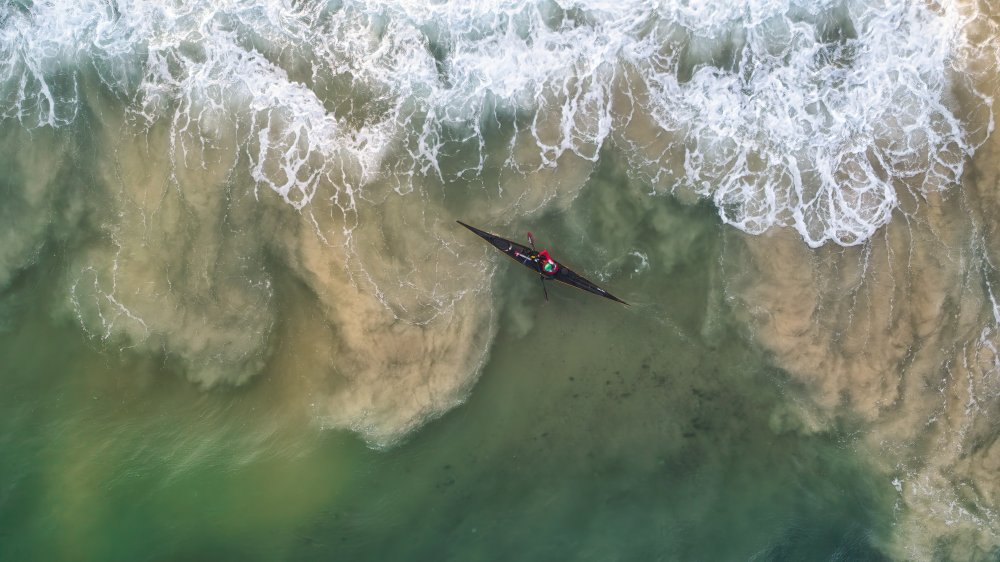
549,266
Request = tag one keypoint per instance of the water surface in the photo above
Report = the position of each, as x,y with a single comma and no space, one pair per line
238,320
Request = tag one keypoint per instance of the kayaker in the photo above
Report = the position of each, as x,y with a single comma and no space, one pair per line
549,265
548,270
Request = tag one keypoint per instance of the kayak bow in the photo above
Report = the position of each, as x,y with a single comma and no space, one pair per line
526,257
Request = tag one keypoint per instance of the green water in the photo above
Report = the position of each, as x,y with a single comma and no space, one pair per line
595,432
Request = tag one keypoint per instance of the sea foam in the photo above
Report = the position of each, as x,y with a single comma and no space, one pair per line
812,116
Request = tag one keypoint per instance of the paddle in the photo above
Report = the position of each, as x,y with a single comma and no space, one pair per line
531,240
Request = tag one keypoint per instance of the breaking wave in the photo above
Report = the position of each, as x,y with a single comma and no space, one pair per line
812,116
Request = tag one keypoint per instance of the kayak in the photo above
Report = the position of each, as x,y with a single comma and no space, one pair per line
529,258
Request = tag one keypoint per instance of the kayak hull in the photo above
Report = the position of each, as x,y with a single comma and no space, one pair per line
523,255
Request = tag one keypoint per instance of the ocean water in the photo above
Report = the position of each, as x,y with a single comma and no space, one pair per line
238,320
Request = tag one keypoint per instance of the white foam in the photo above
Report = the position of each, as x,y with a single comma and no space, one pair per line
810,116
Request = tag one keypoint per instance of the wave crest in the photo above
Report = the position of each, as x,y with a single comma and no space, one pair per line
811,116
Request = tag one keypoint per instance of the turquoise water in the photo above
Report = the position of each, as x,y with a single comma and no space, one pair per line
595,432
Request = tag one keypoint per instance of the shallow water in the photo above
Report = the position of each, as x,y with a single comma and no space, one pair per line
594,432
238,320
